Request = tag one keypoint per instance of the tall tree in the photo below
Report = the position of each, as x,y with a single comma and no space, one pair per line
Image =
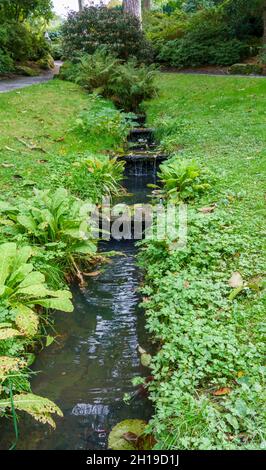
80,5
133,7
19,10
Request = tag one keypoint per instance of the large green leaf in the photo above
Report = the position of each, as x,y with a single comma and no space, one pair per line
27,320
62,303
27,222
7,252
118,436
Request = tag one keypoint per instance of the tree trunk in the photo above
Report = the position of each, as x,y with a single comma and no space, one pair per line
264,23
80,5
146,5
133,7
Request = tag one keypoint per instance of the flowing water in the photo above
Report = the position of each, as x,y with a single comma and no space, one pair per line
90,367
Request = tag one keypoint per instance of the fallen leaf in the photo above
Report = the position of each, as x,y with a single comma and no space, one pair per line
206,210
222,391
186,284
241,373
141,350
7,165
60,139
92,274
236,280
42,161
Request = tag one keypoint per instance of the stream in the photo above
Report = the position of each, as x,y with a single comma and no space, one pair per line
90,367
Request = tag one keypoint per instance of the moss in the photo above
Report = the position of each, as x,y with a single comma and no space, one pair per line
27,71
246,69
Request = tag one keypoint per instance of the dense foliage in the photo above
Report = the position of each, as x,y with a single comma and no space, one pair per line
127,84
205,33
22,32
98,26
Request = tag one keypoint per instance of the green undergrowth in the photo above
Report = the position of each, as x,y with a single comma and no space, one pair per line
205,303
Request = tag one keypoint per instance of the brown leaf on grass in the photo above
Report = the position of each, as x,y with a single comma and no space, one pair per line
222,391
42,161
186,284
236,280
59,139
207,210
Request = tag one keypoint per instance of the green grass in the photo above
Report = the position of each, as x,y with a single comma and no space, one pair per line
42,115
209,341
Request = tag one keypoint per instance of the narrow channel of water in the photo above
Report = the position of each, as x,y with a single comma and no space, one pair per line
90,368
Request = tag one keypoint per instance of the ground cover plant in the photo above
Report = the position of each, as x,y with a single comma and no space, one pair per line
205,304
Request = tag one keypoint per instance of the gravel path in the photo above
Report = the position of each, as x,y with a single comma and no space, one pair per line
22,82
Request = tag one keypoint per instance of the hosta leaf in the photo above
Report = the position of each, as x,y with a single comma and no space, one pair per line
27,222
37,290
7,333
7,251
61,303
19,275
38,407
8,364
27,320
33,278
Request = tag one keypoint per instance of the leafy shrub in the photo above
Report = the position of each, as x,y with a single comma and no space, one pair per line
95,71
6,63
207,39
23,292
162,26
46,63
68,71
95,178
130,85
57,50
85,31
126,84
184,179
56,222
189,52
103,118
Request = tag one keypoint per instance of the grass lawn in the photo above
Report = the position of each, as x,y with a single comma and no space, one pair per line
209,371
42,116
